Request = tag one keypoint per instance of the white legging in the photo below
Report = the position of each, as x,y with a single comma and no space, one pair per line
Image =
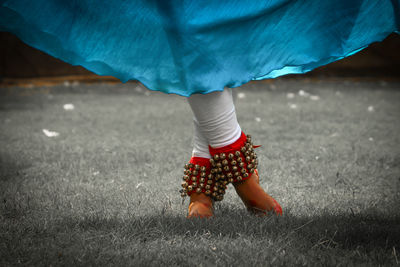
215,121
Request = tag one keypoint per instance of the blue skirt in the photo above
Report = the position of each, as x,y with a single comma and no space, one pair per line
186,46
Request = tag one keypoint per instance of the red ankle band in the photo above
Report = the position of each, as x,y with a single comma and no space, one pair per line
232,147
200,161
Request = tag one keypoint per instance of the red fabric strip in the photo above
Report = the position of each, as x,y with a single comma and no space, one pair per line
229,148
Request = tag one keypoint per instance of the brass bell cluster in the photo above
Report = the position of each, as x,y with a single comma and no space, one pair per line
227,167
234,166
199,179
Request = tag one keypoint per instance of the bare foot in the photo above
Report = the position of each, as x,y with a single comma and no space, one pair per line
255,198
201,206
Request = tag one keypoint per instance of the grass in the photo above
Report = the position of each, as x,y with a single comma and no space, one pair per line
105,191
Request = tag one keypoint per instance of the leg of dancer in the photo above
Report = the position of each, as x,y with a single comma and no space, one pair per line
200,204
217,132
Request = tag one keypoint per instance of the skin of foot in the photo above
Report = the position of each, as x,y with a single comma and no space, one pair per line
255,198
201,206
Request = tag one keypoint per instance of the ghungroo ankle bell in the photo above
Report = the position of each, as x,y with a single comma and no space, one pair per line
230,164
235,162
198,178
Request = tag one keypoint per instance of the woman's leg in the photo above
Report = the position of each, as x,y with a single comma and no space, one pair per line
216,123
200,204
200,143
215,117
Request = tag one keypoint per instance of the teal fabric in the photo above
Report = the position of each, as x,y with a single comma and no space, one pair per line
189,46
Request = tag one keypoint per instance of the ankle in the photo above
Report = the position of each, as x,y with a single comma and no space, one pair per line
201,198
252,179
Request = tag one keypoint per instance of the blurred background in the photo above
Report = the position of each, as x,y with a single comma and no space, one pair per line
23,65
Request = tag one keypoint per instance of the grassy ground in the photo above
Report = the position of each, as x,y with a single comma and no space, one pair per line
105,191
